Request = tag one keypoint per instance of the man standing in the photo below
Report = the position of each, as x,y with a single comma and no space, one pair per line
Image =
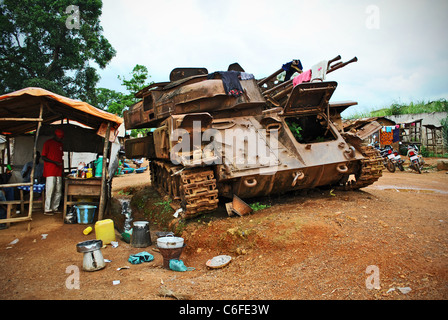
53,168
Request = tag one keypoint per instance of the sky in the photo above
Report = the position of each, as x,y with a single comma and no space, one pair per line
401,46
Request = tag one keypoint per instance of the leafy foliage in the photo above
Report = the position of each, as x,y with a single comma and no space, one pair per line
108,100
38,49
295,129
117,102
258,206
440,105
444,124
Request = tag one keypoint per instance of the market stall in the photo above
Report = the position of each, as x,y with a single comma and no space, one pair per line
35,111
78,187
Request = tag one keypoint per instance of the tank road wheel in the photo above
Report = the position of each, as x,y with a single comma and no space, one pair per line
154,173
371,170
175,187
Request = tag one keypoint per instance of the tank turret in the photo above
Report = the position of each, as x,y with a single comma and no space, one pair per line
226,134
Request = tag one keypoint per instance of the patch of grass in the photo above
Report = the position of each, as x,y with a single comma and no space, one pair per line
164,205
161,213
147,203
258,206
124,193
180,227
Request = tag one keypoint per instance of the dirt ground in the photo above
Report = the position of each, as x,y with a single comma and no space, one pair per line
317,245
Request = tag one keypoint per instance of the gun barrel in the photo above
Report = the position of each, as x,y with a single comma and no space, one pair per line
268,78
333,60
338,66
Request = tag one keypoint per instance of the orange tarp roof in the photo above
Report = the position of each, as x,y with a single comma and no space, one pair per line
81,106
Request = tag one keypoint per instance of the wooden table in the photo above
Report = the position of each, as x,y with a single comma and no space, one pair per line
38,188
89,188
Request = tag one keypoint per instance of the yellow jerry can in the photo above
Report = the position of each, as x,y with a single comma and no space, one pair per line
104,230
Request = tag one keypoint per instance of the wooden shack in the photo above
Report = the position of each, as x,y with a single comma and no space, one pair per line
434,139
411,133
30,110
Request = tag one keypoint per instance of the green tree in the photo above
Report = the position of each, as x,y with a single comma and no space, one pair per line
138,80
117,102
51,44
108,100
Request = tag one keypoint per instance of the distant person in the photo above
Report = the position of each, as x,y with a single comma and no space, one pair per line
52,154
138,162
2,211
38,170
4,179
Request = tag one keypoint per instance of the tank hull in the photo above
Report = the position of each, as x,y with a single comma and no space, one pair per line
207,144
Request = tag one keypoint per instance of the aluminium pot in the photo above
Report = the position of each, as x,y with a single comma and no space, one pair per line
93,258
141,238
170,242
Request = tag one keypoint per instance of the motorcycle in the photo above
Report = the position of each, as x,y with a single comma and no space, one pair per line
398,161
415,159
388,157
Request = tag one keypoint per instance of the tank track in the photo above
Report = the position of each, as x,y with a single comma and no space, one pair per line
193,189
371,170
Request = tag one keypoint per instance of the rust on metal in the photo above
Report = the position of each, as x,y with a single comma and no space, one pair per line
272,138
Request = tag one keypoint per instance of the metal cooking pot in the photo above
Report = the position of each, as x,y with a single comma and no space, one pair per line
170,242
93,258
141,237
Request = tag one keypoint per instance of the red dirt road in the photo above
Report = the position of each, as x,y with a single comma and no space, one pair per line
305,246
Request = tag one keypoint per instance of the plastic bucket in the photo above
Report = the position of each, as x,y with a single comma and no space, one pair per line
85,213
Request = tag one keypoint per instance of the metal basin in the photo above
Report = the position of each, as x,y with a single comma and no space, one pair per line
89,245
170,242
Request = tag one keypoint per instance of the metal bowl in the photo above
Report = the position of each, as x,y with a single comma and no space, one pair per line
218,261
89,245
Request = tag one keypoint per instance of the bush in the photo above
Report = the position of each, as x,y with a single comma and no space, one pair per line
444,124
440,105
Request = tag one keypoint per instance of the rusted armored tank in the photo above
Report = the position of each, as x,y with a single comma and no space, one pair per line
226,134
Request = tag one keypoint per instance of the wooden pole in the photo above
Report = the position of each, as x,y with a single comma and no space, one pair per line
8,150
103,194
39,124
21,119
2,161
69,156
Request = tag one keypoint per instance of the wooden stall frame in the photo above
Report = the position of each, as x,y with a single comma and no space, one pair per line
42,106
31,184
103,196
